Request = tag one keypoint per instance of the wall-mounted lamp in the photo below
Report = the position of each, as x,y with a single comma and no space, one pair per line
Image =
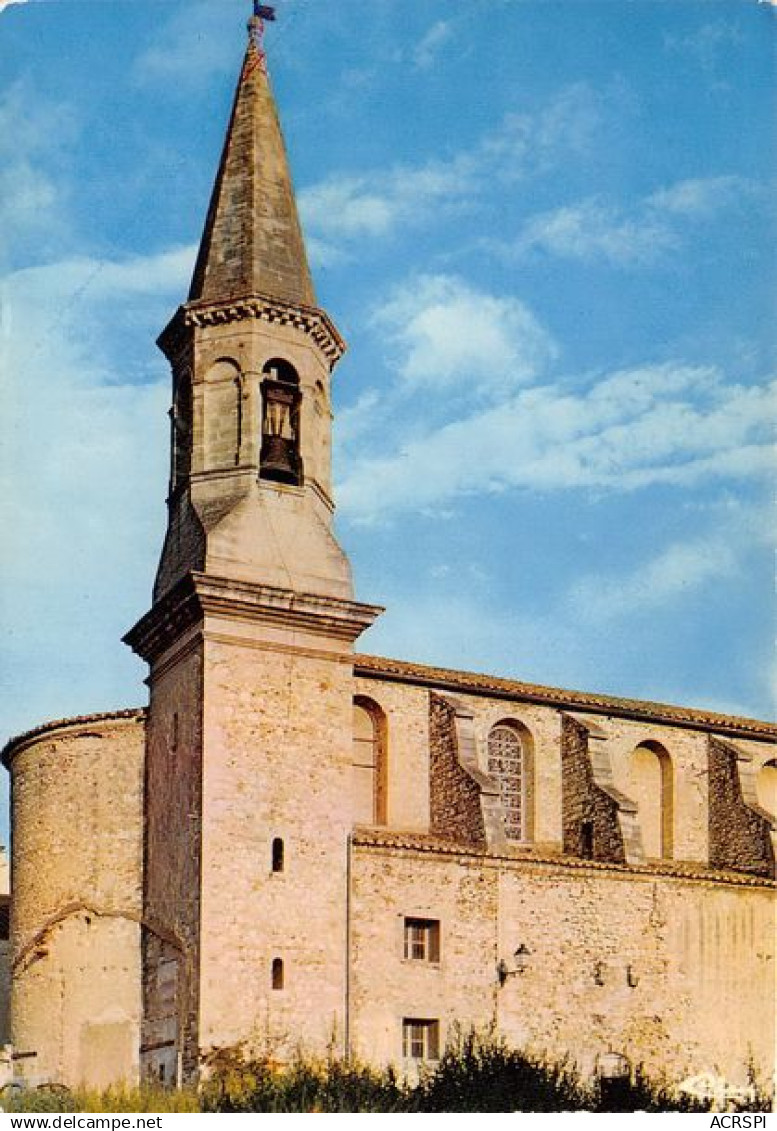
520,965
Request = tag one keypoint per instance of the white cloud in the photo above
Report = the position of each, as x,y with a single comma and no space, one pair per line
527,143
597,229
670,577
34,139
429,46
188,49
348,207
83,470
357,419
667,424
446,333
706,45
702,197
8,3
594,230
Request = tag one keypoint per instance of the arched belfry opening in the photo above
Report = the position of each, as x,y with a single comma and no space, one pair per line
279,459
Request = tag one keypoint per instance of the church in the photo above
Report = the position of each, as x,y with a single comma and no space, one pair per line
299,847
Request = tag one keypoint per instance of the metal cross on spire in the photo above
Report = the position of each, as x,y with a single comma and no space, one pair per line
262,13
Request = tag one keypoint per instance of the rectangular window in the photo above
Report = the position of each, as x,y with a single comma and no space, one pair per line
420,1038
422,940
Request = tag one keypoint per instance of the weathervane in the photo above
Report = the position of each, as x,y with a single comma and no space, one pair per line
262,13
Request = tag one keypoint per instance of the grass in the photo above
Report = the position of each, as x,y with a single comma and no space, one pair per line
476,1073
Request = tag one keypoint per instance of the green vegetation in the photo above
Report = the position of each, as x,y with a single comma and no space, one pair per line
476,1073
120,1099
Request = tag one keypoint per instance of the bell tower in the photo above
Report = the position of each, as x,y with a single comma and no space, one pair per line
252,355
249,640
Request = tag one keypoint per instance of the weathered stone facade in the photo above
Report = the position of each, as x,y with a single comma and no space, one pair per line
739,833
76,811
243,864
668,961
657,965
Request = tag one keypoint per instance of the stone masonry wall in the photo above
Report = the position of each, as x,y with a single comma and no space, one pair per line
672,972
407,716
76,867
406,711
739,835
278,756
583,801
454,794
172,866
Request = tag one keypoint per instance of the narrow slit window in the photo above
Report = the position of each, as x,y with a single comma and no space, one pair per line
5,921
277,973
277,854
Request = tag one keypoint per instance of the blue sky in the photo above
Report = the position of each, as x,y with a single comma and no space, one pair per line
543,228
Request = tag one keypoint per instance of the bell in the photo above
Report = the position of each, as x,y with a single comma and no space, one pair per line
278,460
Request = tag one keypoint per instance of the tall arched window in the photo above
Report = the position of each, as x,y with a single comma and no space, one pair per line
766,787
369,763
507,764
279,457
651,786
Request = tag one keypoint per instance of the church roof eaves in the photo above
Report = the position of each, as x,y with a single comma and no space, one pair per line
13,745
591,702
417,842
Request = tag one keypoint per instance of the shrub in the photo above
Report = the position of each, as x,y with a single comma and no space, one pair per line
237,1083
54,1098
480,1073
477,1072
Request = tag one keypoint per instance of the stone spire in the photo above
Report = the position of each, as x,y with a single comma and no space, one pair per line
252,242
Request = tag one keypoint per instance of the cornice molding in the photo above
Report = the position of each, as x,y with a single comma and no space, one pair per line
310,319
199,595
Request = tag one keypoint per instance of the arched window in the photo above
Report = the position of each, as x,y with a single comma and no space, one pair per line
279,457
766,787
508,764
277,854
277,973
369,763
651,786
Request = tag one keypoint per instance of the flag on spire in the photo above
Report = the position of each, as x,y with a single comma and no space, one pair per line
263,11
